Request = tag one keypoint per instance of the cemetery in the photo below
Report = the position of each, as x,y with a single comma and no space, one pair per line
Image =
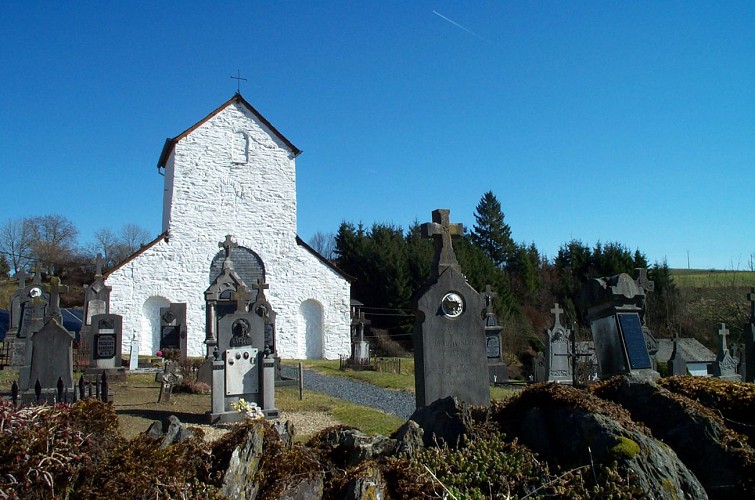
184,375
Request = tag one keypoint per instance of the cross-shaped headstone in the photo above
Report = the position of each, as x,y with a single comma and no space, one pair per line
227,245
362,321
643,281
557,312
55,289
21,276
242,296
489,295
98,262
441,230
261,286
751,298
723,332
37,275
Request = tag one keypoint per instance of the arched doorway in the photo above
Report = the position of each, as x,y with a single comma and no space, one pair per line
150,327
310,328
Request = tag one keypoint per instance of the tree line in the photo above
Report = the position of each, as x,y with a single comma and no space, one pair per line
390,264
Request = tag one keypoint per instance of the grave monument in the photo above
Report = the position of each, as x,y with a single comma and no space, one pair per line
614,306
360,352
749,340
241,358
449,333
725,366
497,371
558,355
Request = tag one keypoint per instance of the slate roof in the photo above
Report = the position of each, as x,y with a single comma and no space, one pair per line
691,350
72,320
171,143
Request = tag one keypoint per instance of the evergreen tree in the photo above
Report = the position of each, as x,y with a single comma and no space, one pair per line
4,267
491,234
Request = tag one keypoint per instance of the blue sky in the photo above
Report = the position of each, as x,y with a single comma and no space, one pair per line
595,120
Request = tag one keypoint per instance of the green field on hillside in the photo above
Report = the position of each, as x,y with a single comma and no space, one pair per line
700,278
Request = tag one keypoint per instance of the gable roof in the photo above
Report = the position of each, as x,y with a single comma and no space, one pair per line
170,143
322,259
163,236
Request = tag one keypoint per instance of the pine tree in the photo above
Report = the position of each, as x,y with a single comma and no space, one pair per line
491,234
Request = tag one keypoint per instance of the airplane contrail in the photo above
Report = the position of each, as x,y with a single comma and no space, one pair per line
457,24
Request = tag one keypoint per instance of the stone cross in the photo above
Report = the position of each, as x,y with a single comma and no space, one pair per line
260,286
242,296
723,332
99,262
228,244
441,230
751,298
37,275
362,321
22,276
489,295
643,281
557,312
56,289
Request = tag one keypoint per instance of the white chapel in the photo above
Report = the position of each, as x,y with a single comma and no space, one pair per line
232,173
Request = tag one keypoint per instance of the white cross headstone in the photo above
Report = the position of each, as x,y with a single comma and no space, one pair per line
133,363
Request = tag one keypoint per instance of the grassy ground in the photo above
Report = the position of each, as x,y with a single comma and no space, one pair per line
699,278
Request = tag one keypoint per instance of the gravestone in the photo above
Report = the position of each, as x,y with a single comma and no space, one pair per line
96,301
614,307
51,347
170,377
449,333
749,341
107,338
242,360
497,371
558,355
28,306
725,366
677,365
173,329
360,350
133,360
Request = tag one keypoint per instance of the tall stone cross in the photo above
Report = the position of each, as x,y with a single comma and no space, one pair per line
362,321
751,298
489,295
56,289
99,262
37,275
723,332
557,311
227,245
21,276
643,281
441,231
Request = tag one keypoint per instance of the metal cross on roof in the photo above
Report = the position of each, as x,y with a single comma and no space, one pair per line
557,311
238,81
441,231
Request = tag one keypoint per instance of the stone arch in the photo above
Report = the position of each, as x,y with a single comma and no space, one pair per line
150,320
247,264
310,328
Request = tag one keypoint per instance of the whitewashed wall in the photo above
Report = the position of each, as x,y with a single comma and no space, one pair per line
231,175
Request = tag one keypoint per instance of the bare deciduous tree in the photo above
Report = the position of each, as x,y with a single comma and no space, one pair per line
324,244
53,240
15,242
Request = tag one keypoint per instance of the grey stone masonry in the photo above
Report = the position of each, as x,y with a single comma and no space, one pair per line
558,355
725,366
449,332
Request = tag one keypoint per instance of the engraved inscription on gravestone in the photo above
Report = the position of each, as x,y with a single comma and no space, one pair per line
634,339
493,346
95,307
104,347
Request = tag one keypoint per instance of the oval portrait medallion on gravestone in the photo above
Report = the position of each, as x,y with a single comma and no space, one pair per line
452,305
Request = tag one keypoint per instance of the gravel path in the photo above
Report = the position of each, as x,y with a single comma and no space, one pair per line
399,403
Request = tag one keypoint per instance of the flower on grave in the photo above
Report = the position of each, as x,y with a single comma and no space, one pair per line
249,409
159,354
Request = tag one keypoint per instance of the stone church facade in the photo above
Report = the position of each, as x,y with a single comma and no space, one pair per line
232,174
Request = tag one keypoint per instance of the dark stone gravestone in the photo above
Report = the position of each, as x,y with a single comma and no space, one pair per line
242,361
27,313
677,365
96,301
173,329
749,341
107,339
614,306
497,371
558,355
169,378
52,347
449,333
725,366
